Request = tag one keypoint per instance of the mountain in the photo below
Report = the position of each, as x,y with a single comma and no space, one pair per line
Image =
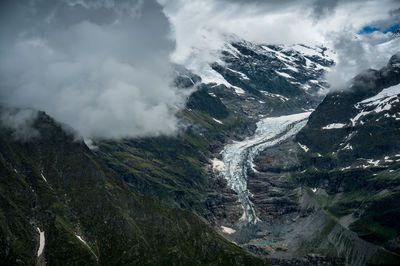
396,34
351,155
271,79
265,163
61,205
230,98
361,121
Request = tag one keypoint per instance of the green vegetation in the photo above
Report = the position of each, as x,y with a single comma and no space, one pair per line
171,168
365,194
82,196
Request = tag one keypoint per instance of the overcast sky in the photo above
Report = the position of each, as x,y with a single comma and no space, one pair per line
103,66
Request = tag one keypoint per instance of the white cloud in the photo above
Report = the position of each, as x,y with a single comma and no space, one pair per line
102,67
201,27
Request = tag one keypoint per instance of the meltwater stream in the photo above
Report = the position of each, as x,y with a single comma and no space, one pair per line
238,156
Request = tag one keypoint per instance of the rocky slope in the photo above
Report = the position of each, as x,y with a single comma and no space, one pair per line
353,155
269,79
320,192
365,113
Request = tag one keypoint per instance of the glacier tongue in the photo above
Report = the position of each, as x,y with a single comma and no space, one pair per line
238,157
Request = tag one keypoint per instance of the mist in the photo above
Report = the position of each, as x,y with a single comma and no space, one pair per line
357,54
20,121
103,67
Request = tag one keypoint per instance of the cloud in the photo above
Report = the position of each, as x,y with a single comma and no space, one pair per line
202,27
20,121
102,67
358,53
321,8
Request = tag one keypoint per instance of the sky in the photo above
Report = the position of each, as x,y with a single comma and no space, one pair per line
105,66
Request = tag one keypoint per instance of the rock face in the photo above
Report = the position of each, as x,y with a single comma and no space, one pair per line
60,204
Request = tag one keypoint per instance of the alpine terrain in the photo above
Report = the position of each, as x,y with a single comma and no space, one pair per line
268,164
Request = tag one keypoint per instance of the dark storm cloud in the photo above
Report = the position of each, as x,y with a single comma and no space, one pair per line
395,12
101,66
322,8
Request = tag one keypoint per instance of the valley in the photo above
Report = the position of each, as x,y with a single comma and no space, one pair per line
257,181
268,167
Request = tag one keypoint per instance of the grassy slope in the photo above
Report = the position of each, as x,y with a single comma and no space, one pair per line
84,196
171,168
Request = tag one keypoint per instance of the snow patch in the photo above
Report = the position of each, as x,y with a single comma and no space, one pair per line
304,147
281,97
283,74
212,76
219,122
373,162
289,67
44,178
383,101
242,75
348,147
86,244
388,92
81,239
238,90
217,164
90,144
228,230
42,241
334,126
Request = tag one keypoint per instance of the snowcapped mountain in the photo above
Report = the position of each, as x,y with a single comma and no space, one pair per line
362,121
351,154
396,34
269,79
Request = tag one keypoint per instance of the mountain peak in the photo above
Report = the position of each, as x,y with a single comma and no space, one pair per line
395,59
396,34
